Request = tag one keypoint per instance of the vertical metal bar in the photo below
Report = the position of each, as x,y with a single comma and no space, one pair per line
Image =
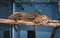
13,27
11,11
34,30
10,32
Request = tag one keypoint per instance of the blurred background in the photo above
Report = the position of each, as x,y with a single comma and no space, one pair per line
51,8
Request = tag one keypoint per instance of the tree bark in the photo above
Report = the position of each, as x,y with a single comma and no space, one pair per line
19,22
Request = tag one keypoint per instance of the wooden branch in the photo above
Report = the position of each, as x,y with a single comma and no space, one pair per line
8,21
19,22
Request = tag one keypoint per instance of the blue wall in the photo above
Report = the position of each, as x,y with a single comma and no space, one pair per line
51,10
5,11
1,32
